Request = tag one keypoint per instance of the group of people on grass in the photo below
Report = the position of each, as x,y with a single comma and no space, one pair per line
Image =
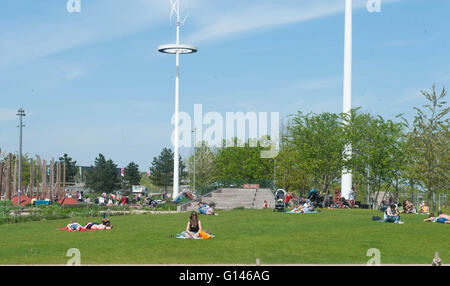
304,206
392,214
194,227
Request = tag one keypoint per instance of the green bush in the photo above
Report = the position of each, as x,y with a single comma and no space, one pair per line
5,203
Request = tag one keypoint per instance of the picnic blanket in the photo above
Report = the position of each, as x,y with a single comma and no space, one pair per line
81,229
203,235
300,212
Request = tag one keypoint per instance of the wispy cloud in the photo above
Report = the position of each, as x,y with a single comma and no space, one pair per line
35,38
249,15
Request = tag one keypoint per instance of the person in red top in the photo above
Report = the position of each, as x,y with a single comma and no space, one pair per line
288,198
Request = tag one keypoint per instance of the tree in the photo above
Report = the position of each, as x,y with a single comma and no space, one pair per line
291,174
103,177
318,142
377,153
161,170
204,166
71,167
429,144
242,164
132,175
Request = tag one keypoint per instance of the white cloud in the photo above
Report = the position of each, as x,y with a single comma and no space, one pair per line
218,21
99,20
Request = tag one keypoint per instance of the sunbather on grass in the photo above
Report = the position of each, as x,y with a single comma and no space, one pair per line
74,226
205,209
105,225
441,218
98,226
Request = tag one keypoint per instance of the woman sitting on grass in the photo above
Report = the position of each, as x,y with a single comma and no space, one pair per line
194,226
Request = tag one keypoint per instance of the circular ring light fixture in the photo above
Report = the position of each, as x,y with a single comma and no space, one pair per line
180,48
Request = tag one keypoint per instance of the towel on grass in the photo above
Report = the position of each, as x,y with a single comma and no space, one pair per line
300,212
81,229
182,236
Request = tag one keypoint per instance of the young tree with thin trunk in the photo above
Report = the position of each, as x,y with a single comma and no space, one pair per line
429,144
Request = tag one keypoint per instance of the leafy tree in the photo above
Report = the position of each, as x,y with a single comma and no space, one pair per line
377,153
429,144
103,177
291,174
204,166
132,175
71,167
318,142
242,164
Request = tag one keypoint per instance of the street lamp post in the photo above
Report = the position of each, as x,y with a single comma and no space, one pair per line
20,113
177,49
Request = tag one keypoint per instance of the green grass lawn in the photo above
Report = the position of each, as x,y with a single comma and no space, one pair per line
329,237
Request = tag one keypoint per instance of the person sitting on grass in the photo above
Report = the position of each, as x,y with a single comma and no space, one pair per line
288,199
308,206
194,226
392,215
74,226
424,209
409,208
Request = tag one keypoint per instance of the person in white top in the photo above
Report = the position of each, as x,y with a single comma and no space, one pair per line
392,215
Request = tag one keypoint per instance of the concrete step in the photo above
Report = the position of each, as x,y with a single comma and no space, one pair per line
229,198
234,191
230,195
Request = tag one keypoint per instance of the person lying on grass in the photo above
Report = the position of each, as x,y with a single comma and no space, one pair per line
105,225
392,215
75,226
441,218
203,208
194,226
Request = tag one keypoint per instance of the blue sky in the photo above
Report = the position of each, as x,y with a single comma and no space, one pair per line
93,82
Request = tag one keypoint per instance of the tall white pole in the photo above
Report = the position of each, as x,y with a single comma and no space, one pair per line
177,49
176,162
346,183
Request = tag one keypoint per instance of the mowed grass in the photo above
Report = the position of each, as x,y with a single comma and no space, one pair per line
329,237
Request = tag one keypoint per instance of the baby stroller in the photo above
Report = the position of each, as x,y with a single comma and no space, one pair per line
315,198
280,200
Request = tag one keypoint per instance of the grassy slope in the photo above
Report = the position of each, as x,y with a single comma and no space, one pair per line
333,236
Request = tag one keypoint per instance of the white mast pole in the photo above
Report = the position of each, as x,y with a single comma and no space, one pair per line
346,184
177,49
176,162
